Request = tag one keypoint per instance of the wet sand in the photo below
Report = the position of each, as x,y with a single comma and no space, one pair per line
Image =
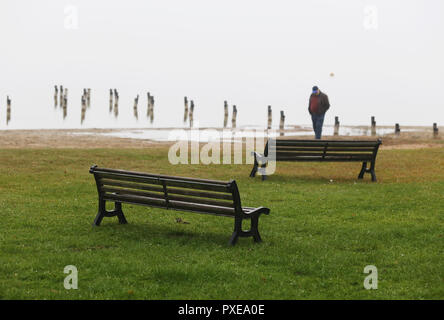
92,138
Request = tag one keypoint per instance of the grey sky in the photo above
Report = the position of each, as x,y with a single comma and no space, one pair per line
250,53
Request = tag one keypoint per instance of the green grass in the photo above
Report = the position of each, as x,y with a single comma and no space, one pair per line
317,240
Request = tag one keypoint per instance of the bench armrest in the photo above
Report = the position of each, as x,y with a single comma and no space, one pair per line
258,211
258,157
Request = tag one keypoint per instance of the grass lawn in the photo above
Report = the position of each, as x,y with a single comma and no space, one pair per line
325,226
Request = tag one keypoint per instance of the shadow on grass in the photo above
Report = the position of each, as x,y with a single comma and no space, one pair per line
285,178
169,235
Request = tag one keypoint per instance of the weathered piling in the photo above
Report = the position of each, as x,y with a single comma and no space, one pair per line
397,129
65,103
152,109
191,115
83,110
148,110
234,116
110,100
225,113
270,118
116,103
435,130
185,113
336,129
373,127
61,96
282,124
65,106
136,101
8,110
88,98
56,94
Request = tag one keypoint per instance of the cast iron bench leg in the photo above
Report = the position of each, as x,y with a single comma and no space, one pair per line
363,170
237,230
254,170
372,171
254,229
104,213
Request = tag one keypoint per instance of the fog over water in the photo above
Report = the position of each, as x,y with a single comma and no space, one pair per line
373,58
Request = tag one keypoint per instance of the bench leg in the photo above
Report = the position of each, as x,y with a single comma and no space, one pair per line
102,212
263,172
254,229
371,171
363,170
254,170
238,232
119,212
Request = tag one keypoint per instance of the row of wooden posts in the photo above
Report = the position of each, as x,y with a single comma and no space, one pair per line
373,128
61,100
114,104
189,116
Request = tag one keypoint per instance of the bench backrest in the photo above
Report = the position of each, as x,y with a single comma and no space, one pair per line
170,192
322,150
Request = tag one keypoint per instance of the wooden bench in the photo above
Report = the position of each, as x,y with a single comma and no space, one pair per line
319,150
185,194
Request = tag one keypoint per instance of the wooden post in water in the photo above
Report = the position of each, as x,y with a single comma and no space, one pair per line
65,103
152,109
116,103
148,108
191,115
56,94
435,130
136,101
225,113
282,124
185,113
83,111
88,98
336,129
397,129
61,96
65,106
270,118
233,119
8,110
110,100
373,128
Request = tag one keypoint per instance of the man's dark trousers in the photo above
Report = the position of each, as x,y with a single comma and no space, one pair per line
318,122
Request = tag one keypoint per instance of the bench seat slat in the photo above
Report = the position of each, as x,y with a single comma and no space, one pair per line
172,204
329,148
156,181
331,159
301,143
203,194
139,186
321,154
156,176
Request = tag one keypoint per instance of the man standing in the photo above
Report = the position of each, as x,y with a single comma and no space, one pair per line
317,107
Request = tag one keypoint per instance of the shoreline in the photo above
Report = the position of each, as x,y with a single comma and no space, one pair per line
419,137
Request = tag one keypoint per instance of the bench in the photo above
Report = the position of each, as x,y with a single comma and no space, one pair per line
318,150
178,193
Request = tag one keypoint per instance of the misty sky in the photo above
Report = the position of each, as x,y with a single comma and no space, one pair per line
386,56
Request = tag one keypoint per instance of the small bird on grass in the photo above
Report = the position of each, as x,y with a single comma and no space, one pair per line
179,220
